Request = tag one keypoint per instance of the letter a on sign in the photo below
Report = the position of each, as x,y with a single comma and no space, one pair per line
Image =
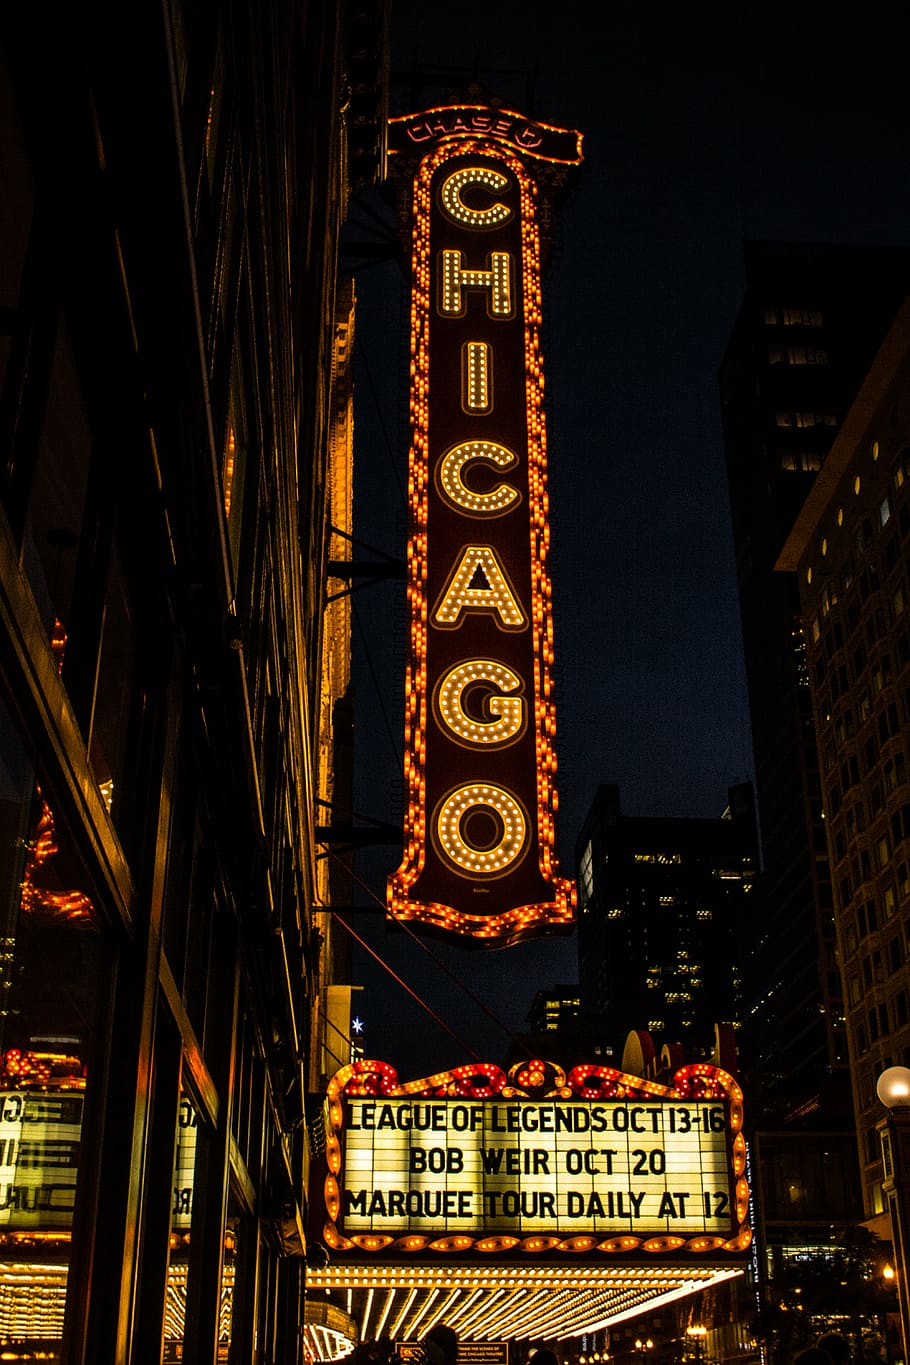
479,859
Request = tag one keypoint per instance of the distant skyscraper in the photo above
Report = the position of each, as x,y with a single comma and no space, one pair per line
810,324
554,1009
849,554
660,901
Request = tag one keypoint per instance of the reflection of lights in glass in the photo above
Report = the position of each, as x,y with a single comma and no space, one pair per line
227,477
36,894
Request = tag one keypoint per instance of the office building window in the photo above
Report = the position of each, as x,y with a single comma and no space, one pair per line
586,874
805,420
53,525
798,355
804,461
803,317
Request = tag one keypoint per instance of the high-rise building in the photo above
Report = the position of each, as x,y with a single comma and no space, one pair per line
849,553
176,445
554,1009
561,1031
660,902
811,321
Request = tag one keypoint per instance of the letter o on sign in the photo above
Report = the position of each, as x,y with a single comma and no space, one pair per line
455,827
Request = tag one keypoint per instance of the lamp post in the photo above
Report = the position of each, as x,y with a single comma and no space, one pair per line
697,1332
893,1089
643,1347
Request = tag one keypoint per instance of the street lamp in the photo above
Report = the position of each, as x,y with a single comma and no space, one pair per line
642,1347
893,1089
697,1332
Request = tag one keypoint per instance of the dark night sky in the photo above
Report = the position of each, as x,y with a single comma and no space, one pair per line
701,128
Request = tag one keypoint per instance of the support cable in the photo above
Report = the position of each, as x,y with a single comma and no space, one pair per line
452,975
404,985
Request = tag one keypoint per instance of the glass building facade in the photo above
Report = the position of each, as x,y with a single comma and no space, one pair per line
176,464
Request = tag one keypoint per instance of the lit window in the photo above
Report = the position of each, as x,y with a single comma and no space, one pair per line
803,317
805,355
586,873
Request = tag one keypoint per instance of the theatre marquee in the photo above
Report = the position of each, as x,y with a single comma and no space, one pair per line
474,1161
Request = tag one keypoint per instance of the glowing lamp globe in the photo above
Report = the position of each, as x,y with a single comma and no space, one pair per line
893,1087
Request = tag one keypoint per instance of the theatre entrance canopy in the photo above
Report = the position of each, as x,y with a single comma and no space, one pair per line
537,1203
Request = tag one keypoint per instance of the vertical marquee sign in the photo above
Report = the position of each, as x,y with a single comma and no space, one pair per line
479,859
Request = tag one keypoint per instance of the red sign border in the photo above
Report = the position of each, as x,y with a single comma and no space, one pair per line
524,920
532,1080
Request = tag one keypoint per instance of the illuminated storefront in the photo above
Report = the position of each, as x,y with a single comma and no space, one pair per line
480,766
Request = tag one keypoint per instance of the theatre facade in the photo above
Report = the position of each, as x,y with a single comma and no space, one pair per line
534,1204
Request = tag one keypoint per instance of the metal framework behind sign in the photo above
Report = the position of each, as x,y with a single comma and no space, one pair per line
480,767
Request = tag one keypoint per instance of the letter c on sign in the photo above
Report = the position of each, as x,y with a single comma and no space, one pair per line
450,479
454,207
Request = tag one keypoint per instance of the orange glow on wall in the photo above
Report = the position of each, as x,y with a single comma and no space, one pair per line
479,859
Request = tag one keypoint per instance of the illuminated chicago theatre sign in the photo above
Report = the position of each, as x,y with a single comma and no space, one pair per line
479,859
473,1161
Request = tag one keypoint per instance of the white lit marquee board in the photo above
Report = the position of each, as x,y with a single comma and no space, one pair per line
40,1137
39,1157
640,1167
